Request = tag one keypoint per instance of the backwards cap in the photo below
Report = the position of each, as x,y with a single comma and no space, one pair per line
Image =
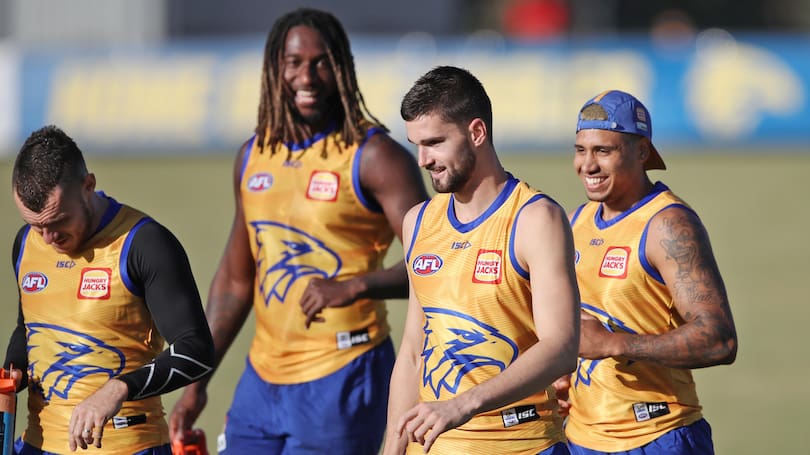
625,114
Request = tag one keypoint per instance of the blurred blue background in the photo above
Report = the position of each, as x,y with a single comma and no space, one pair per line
171,76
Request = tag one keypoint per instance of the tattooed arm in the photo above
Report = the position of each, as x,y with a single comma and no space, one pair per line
678,247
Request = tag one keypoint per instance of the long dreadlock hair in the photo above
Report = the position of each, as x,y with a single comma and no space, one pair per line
276,120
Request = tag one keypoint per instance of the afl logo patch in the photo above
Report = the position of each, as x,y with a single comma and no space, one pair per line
614,264
95,284
427,264
33,282
323,186
259,182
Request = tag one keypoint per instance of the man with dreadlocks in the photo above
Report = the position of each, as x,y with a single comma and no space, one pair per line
321,190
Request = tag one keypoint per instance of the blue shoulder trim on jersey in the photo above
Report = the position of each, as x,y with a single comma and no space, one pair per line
416,226
467,227
122,261
245,159
20,255
520,270
358,188
657,189
576,214
112,209
294,147
642,245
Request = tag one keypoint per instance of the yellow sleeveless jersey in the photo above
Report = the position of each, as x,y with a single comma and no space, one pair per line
307,218
85,324
620,404
477,320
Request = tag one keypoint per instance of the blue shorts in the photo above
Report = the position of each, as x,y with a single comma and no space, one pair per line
342,413
23,448
694,439
557,449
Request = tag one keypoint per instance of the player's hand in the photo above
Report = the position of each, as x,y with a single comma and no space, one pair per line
17,375
321,293
88,418
426,421
186,410
594,339
561,386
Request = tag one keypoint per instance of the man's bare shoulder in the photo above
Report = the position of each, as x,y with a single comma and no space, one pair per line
382,146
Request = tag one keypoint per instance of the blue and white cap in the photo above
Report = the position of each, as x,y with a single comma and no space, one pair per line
625,114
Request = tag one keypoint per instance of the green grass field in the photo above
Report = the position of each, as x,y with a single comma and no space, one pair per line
750,204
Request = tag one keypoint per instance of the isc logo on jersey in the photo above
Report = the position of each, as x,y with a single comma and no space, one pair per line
614,264
259,182
427,264
323,186
33,282
95,284
488,267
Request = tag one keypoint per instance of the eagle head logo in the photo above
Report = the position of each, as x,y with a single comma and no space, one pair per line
455,344
61,356
286,254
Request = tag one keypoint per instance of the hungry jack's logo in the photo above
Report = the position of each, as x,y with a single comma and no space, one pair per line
94,284
323,186
614,263
488,267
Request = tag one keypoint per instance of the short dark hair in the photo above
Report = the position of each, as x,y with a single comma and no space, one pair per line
453,93
48,158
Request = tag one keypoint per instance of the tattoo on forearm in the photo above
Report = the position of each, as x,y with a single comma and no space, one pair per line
709,335
704,342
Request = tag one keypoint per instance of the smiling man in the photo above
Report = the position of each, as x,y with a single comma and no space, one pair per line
321,190
654,304
492,314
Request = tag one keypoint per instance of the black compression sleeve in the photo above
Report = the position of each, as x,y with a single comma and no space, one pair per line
158,264
16,353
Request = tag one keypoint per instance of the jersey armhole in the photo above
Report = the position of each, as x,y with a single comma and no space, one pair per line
123,264
642,245
23,236
365,201
512,256
416,227
245,159
576,214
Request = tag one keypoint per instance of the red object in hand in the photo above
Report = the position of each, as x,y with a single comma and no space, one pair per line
193,443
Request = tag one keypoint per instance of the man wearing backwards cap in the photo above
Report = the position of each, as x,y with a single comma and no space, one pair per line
653,302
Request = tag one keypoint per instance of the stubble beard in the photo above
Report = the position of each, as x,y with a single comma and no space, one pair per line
457,179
